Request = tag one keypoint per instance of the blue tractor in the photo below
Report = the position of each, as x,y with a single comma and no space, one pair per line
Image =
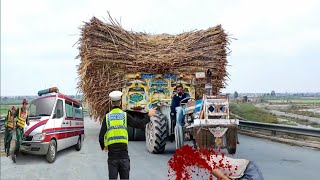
206,122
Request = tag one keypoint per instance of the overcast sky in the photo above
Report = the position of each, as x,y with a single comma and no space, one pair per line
278,44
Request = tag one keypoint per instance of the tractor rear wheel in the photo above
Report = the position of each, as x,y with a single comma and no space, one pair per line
131,133
156,133
135,134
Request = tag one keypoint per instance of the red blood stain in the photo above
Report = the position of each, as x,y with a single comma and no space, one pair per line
186,157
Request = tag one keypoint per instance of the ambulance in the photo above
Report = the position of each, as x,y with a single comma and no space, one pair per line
56,123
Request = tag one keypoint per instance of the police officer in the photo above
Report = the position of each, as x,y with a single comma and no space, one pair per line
22,119
9,126
113,137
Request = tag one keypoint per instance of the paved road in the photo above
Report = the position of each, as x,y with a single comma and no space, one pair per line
277,161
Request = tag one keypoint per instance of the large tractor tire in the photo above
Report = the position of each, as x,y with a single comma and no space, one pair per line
133,133
231,138
179,135
156,133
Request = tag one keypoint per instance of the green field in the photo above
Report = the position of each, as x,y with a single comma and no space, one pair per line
250,112
293,100
4,109
292,122
296,101
11,102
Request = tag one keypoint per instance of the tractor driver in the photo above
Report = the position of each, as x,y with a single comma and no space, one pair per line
176,99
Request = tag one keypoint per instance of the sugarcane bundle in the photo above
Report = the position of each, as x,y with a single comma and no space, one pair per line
108,52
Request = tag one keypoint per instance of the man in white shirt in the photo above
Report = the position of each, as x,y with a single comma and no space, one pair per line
228,168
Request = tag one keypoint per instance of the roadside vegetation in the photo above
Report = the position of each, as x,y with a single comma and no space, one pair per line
259,112
302,110
4,109
249,112
310,101
297,122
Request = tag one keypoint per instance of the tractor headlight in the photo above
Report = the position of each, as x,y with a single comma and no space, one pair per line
39,137
223,109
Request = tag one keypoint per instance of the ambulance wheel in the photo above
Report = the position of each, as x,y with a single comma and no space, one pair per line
79,144
52,151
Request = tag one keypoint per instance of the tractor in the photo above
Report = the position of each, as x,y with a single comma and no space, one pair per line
211,113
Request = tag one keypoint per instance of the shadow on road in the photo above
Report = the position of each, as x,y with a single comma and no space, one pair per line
24,159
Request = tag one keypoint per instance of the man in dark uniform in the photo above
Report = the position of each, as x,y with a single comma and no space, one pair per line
176,102
22,118
9,126
113,137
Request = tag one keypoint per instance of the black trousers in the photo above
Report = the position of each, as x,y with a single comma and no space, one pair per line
121,166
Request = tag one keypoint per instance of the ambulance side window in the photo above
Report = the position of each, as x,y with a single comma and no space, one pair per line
69,109
58,112
77,111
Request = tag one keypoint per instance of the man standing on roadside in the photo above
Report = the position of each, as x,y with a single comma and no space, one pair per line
9,126
113,136
22,119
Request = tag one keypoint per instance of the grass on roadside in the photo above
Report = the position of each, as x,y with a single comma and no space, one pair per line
4,109
295,109
250,112
293,121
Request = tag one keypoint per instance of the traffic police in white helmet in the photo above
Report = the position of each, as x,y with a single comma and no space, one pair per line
113,136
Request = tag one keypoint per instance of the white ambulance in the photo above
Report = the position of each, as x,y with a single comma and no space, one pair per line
56,123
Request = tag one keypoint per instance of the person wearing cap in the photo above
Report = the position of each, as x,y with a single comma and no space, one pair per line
22,118
113,136
9,126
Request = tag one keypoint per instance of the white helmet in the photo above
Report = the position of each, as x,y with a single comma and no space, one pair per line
115,95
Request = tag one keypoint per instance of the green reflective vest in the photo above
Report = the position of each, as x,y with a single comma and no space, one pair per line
9,121
22,117
116,122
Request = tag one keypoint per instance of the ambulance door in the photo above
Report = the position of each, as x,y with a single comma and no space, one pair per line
58,117
69,122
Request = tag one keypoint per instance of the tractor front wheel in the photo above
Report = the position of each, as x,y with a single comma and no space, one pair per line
156,133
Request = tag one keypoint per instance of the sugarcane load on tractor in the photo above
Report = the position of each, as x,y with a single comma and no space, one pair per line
149,70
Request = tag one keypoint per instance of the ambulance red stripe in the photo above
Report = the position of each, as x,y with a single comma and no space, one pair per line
59,136
63,128
35,126
74,119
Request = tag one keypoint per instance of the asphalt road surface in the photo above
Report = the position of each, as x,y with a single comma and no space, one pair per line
276,161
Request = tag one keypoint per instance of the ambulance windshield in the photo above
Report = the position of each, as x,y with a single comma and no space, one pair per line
42,106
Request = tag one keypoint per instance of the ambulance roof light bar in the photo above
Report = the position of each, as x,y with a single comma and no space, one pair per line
47,91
